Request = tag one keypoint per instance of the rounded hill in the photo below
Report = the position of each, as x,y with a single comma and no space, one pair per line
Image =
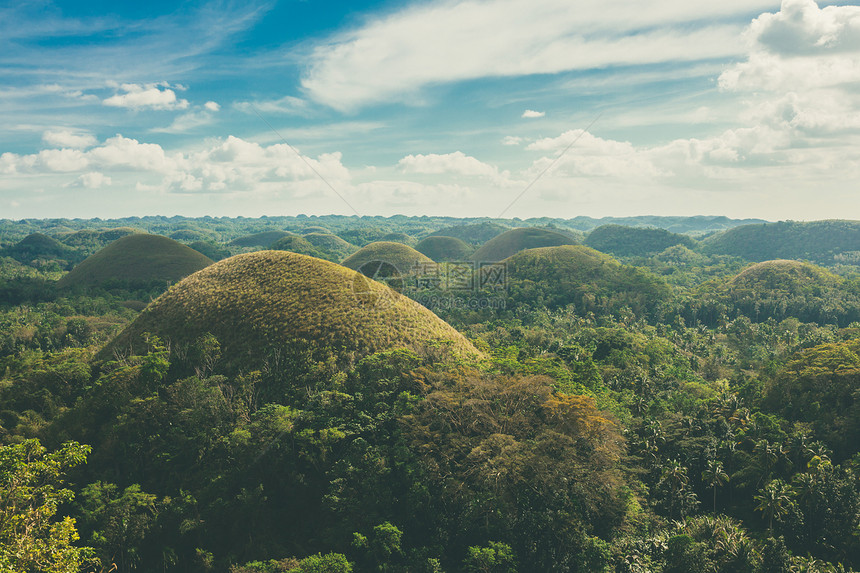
269,303
263,239
623,241
332,244
784,275
398,238
300,245
512,242
444,249
137,260
400,256
587,279
39,246
473,233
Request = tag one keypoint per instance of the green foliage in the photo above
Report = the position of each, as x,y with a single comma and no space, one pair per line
494,558
136,260
512,242
31,480
634,241
39,247
300,245
263,239
473,234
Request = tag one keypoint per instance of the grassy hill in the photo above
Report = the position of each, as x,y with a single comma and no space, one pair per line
136,260
39,246
398,238
264,239
443,249
516,240
300,245
315,229
474,234
332,244
214,251
778,289
624,241
269,302
401,256
587,279
96,238
817,241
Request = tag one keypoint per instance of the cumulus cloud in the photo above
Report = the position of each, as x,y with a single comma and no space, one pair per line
511,140
532,114
456,163
392,58
146,96
91,180
212,106
69,139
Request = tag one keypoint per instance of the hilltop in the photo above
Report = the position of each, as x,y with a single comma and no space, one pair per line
444,249
516,240
39,246
263,239
624,241
589,280
402,257
475,233
136,260
274,302
331,244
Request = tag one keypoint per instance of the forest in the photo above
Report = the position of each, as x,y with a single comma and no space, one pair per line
418,394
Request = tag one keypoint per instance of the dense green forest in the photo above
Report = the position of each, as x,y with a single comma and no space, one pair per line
633,395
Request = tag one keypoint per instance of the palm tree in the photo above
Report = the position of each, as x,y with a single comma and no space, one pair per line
715,476
774,500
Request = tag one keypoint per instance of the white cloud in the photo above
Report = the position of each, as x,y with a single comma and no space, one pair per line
186,122
392,58
456,163
212,106
532,114
287,104
69,139
146,96
511,140
91,180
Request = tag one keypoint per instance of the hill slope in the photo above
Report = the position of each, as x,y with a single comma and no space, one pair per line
268,302
264,239
634,241
817,241
136,260
39,246
516,240
474,233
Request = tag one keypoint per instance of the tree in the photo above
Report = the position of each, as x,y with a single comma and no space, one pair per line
494,558
774,500
31,479
716,477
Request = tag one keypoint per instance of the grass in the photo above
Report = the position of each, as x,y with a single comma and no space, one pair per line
474,233
444,249
269,302
39,246
512,242
784,275
331,244
398,238
624,241
403,257
137,259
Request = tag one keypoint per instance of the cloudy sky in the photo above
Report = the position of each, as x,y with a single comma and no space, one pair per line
745,108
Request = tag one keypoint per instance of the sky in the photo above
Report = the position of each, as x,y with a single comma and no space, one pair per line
502,108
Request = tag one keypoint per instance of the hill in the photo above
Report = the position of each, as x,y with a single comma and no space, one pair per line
587,279
39,246
332,244
398,238
512,242
300,245
624,241
817,241
96,238
777,289
264,239
444,249
474,234
215,251
274,302
400,256
315,229
136,260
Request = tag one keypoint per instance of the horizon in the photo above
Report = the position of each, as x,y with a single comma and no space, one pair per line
466,110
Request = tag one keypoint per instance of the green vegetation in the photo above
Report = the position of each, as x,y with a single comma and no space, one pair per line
586,280
263,239
634,241
398,238
474,234
300,245
212,250
315,229
136,260
516,240
402,257
818,241
665,411
40,248
268,304
336,247
444,249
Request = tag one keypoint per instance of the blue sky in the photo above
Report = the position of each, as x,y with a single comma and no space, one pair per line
745,108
